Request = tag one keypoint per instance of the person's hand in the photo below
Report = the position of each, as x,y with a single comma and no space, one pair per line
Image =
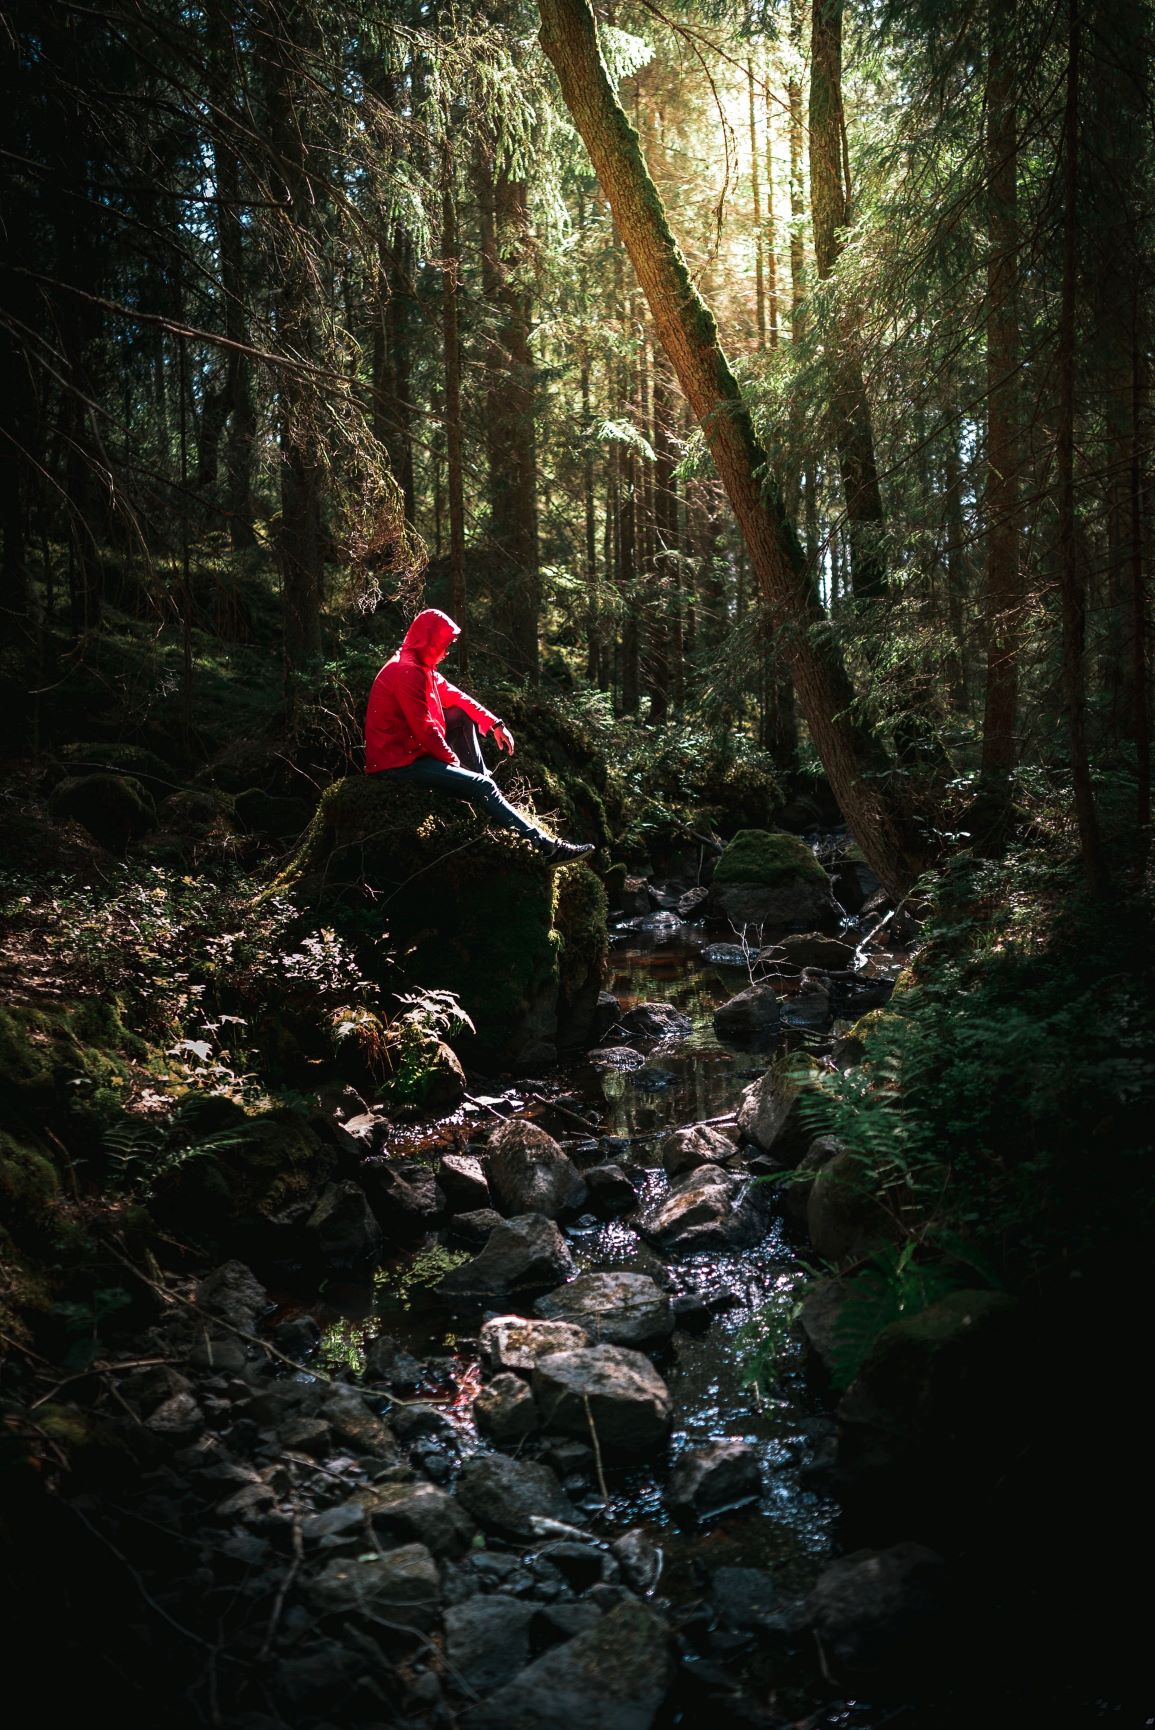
503,739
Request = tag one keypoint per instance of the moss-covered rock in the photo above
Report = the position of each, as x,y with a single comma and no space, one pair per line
63,1063
472,909
115,809
580,917
771,878
87,758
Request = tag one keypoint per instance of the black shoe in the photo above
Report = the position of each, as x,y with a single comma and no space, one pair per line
561,852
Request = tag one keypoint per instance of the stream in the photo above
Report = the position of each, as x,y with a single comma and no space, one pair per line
790,1530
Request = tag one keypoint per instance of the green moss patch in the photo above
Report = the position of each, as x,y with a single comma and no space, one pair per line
767,856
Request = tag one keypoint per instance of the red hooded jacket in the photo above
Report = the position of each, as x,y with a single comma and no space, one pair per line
406,714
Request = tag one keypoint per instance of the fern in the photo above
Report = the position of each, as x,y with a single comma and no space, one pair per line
892,1286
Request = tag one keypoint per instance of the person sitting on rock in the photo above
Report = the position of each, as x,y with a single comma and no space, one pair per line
421,729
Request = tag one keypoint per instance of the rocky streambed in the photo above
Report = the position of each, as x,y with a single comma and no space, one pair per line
536,1465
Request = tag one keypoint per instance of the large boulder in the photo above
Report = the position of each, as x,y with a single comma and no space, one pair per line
752,1017
771,879
655,1021
526,1254
475,910
616,1393
615,1676
462,1181
529,1173
506,1496
614,1308
419,1512
708,1209
796,1192
936,1410
516,1343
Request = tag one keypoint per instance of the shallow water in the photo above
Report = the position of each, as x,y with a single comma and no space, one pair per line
789,1530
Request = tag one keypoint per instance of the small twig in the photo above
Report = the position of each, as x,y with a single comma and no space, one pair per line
197,1639
482,1106
597,1449
282,1592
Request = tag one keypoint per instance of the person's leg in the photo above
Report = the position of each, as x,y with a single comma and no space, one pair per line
478,789
462,737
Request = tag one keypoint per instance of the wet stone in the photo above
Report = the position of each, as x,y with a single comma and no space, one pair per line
720,1475
463,1183
529,1173
342,1232
709,1209
521,1255
234,1294
610,1191
656,1021
750,1018
639,1558
684,1150
620,1391
619,1309
504,1410
516,1342
623,1057
474,1227
298,1337
505,1496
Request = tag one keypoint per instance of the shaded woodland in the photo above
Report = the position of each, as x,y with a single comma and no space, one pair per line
766,388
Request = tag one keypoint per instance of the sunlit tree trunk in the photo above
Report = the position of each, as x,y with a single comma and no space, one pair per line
853,433
756,200
853,759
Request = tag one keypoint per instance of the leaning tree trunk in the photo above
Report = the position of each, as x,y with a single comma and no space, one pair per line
854,761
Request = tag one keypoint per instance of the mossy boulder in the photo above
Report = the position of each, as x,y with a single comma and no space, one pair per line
85,758
249,1190
64,1063
845,1220
474,911
769,878
115,809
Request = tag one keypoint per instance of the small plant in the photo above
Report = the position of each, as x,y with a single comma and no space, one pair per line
764,1342
430,1017
892,1285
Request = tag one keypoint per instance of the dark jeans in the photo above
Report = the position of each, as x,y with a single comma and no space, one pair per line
471,781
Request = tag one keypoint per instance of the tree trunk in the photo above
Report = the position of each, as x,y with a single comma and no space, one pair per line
853,433
756,199
299,539
854,761
1003,597
240,409
451,341
511,430
1070,572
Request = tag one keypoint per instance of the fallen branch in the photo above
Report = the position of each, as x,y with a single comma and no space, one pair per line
597,1449
564,1111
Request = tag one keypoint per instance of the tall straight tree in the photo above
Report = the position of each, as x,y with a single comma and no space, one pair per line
870,796
829,195
1004,598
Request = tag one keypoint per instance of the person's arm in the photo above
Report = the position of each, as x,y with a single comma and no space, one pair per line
486,721
413,688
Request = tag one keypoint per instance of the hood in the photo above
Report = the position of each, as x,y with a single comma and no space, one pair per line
430,635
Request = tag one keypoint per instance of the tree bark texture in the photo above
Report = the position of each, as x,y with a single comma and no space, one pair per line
1003,596
451,344
853,433
854,761
1071,588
